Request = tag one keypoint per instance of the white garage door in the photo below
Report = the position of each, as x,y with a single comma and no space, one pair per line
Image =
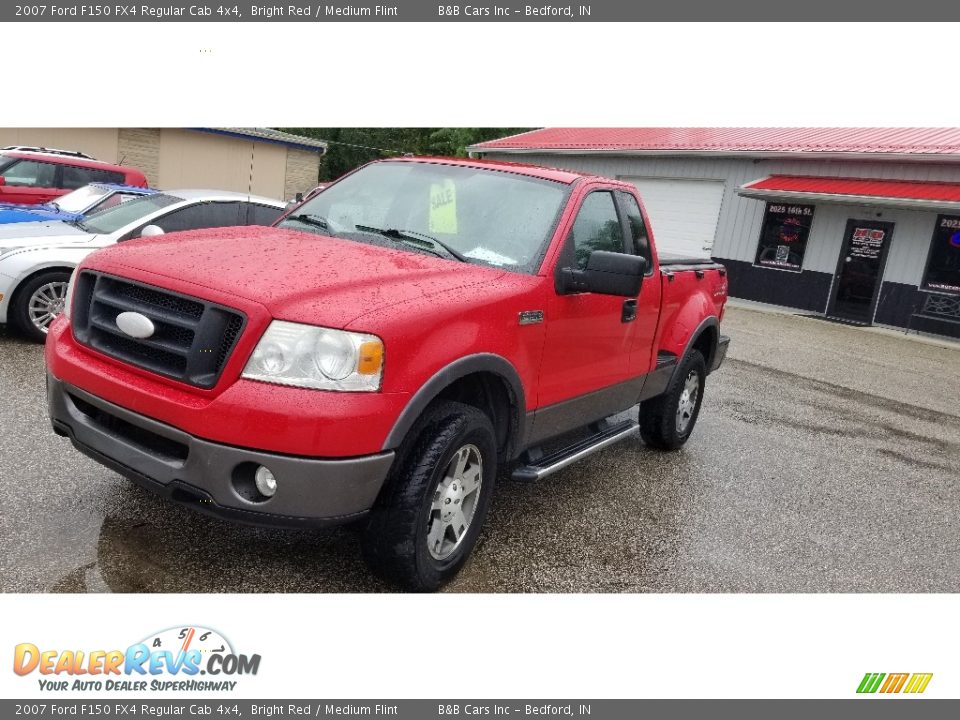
683,213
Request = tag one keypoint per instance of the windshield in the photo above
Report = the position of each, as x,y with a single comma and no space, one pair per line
80,199
112,219
484,216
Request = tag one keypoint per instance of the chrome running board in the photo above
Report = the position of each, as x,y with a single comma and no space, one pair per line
549,464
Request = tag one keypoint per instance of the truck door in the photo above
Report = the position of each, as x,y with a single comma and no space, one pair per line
588,340
648,304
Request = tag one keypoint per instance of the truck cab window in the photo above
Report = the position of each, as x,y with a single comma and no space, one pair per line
597,227
638,229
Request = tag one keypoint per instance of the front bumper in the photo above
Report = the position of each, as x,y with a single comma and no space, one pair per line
7,285
211,477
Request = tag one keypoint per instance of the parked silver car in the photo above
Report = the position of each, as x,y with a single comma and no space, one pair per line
36,259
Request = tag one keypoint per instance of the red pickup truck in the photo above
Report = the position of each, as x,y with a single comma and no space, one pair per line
386,351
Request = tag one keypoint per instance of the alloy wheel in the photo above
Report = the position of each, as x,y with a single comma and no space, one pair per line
688,401
454,502
46,303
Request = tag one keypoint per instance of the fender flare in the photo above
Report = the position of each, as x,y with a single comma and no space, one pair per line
708,323
431,389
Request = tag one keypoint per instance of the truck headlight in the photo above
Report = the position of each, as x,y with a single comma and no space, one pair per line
316,357
68,299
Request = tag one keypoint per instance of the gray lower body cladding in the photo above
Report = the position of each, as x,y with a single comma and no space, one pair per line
214,478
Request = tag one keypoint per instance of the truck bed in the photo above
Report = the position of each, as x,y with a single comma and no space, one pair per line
685,262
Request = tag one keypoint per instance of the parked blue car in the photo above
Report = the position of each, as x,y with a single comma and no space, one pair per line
72,206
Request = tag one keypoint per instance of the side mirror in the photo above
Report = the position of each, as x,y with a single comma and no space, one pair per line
151,231
607,273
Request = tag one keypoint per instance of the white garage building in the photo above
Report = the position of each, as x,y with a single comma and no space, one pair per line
857,224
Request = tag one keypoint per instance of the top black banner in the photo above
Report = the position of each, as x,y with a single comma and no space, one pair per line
505,11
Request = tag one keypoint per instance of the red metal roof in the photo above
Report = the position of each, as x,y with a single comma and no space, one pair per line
860,187
885,192
909,141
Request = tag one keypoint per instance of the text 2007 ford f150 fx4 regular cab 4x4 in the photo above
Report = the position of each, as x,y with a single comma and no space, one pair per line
384,349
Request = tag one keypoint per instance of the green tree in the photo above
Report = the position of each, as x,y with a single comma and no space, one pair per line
351,147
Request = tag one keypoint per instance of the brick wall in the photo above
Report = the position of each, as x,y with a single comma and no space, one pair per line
303,172
140,147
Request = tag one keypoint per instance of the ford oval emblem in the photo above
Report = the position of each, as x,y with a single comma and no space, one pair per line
135,325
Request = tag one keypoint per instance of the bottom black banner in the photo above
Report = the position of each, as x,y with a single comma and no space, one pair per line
873,708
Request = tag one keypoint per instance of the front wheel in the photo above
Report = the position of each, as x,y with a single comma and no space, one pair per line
428,517
667,420
38,301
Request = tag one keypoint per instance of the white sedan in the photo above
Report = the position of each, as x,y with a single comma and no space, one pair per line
36,259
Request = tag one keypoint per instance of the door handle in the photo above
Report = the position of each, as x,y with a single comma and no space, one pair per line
629,312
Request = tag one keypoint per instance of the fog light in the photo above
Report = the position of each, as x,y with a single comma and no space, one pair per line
265,481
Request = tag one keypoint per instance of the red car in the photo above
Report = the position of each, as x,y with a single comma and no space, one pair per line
383,350
31,178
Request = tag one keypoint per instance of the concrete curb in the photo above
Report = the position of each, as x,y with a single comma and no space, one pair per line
923,338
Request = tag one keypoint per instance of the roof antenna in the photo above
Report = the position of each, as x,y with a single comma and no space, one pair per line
246,218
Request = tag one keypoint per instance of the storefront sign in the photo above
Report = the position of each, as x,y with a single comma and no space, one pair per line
943,265
783,239
867,243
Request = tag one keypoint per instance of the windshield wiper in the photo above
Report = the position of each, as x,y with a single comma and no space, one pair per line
416,238
308,219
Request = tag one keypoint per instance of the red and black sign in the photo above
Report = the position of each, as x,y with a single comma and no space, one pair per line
867,243
783,239
943,265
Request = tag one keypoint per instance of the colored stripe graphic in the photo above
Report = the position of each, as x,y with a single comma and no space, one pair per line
870,682
894,682
918,683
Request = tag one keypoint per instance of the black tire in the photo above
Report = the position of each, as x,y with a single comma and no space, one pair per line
395,540
659,423
20,304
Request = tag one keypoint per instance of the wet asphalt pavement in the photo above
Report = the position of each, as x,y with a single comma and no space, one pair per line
826,459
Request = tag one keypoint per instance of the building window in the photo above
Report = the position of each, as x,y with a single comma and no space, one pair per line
943,265
783,238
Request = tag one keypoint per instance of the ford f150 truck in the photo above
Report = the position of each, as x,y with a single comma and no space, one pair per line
386,351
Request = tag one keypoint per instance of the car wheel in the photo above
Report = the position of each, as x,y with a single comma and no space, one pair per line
428,517
38,301
667,420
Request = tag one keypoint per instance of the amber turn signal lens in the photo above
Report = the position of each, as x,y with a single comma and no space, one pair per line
371,358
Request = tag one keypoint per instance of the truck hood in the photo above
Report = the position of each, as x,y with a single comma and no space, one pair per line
297,276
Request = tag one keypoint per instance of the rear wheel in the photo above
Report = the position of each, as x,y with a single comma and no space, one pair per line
667,420
38,301
427,519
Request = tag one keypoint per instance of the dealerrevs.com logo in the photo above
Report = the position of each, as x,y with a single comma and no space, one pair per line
172,659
